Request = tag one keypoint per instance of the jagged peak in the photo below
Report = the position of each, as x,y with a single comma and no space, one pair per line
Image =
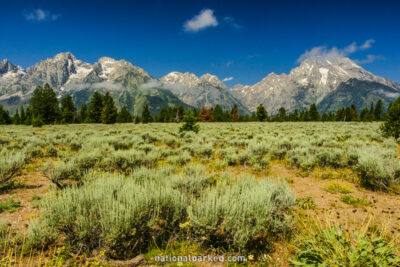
212,79
6,66
5,61
180,74
208,76
65,56
104,60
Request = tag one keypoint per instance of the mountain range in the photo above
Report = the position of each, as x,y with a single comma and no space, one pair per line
331,83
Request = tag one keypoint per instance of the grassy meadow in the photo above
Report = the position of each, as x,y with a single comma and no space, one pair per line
282,194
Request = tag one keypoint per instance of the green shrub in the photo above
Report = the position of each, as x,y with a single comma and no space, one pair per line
355,201
190,122
51,152
306,203
127,160
329,157
40,236
247,215
391,126
377,172
180,159
331,247
64,173
336,187
302,157
37,122
10,164
192,180
116,214
9,205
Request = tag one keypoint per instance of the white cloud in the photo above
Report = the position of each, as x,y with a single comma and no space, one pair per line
334,52
201,21
229,63
367,44
151,84
39,15
106,85
387,94
227,79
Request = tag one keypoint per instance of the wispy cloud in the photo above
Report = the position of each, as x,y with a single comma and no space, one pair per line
367,44
204,19
334,52
232,22
227,79
40,15
369,59
229,63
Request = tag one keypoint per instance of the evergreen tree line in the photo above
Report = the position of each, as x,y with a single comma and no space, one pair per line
374,113
44,108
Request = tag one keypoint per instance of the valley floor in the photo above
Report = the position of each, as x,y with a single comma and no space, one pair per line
312,171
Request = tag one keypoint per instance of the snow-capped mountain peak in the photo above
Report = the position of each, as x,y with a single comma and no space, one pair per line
213,80
310,82
175,77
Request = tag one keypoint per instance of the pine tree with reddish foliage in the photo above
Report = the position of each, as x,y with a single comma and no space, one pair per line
205,115
235,115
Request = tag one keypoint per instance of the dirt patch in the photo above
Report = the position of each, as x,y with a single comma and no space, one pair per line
29,185
383,206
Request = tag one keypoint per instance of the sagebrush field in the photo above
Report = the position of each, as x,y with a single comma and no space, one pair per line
280,193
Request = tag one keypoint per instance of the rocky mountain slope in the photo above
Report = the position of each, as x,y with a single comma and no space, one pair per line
206,90
68,75
315,81
331,82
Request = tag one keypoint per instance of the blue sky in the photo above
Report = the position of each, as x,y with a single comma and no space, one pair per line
244,40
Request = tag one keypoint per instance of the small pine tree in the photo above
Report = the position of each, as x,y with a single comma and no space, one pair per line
313,113
281,116
28,116
95,108
391,126
353,113
51,112
124,116
364,115
218,113
261,113
22,114
371,115
294,116
82,114
109,113
137,119
4,116
324,117
253,116
16,118
44,104
378,110
179,114
37,121
68,110
146,115
190,122
163,116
